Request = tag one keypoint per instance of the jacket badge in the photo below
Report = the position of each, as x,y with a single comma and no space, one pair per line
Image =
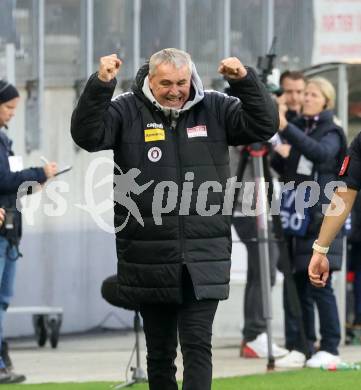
154,135
197,131
154,154
344,166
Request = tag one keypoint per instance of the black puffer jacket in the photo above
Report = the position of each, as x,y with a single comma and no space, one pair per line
151,257
324,146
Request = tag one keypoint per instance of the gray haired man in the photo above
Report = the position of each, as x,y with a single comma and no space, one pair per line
177,135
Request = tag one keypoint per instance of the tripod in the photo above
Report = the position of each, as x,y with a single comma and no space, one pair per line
138,373
258,152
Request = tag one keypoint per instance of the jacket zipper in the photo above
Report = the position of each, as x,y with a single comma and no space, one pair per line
173,127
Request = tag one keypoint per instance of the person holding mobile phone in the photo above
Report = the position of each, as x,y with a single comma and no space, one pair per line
12,176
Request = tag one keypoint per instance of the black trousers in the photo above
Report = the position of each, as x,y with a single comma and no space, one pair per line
192,320
254,321
309,296
325,301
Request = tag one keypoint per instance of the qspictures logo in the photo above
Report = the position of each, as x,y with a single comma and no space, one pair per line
166,196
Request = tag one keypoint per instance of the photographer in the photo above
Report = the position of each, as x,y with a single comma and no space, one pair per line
293,85
315,149
12,176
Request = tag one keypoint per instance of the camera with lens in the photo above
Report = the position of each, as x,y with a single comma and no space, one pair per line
265,65
9,219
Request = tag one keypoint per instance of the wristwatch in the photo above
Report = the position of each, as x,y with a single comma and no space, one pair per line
320,249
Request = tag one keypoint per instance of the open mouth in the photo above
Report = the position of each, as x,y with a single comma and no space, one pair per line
176,102
174,99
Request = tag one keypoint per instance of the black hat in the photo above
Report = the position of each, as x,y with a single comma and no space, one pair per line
7,92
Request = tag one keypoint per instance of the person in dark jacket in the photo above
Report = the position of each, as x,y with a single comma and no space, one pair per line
316,146
12,176
172,134
293,86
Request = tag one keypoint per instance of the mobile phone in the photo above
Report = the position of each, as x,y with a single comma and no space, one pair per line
9,219
63,170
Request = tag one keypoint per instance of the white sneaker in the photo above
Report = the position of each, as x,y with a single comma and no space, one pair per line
322,358
294,359
258,348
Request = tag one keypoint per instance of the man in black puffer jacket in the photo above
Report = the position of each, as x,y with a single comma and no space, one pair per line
173,136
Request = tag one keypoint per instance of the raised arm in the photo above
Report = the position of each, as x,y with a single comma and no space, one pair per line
253,117
96,122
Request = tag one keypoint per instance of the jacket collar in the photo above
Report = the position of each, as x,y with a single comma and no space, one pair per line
311,122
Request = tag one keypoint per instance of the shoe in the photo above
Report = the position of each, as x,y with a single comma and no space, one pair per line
293,359
258,348
4,375
16,378
7,376
5,355
321,358
241,349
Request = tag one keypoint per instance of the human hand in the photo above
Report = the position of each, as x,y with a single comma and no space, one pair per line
50,169
282,109
232,68
283,150
2,216
109,67
281,100
318,269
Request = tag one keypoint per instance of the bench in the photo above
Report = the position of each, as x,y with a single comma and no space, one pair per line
46,321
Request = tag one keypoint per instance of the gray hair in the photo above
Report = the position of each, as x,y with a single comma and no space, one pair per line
176,57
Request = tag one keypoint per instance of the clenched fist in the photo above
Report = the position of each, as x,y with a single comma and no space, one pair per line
108,67
232,68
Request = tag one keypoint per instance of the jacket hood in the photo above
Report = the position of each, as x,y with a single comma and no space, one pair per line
141,87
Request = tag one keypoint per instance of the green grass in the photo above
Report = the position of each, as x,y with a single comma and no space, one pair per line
306,379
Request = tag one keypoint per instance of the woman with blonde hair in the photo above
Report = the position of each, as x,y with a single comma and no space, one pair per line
314,150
